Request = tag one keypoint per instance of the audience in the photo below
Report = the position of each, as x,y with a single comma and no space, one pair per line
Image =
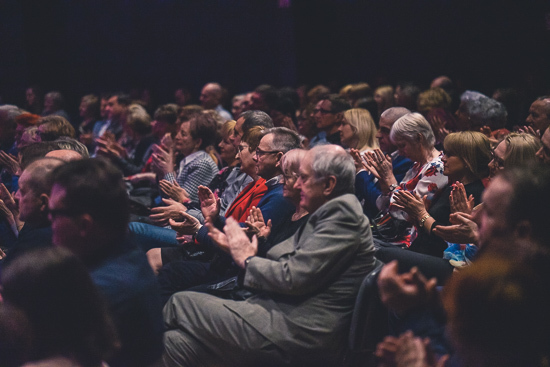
314,275
260,262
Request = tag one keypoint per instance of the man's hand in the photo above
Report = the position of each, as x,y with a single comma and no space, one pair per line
416,352
531,131
403,292
161,214
462,230
8,199
188,226
210,204
217,236
10,162
174,191
240,247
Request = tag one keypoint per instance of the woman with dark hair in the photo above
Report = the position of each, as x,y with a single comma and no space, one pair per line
68,317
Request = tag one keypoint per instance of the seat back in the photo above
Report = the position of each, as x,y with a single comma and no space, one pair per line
369,322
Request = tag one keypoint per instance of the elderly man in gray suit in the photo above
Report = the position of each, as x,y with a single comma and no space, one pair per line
305,287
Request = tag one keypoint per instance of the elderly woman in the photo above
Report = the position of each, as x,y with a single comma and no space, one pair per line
358,131
415,140
465,163
517,149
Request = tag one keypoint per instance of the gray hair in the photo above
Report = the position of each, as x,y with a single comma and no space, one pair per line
67,143
290,162
255,118
284,139
409,126
394,113
483,110
333,160
10,113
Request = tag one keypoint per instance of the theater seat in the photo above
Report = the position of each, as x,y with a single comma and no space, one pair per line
369,322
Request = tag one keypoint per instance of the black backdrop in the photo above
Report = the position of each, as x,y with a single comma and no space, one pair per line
83,46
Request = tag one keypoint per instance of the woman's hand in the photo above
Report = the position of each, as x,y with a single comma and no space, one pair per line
210,204
410,203
381,166
163,160
174,191
359,163
256,224
167,142
459,201
161,214
188,226
463,229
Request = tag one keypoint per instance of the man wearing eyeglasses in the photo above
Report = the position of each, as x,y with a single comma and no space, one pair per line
32,204
328,113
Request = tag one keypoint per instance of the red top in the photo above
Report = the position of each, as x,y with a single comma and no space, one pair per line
249,197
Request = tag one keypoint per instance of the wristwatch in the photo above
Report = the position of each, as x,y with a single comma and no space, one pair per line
393,187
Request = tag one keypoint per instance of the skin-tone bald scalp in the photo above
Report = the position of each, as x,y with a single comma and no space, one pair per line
65,155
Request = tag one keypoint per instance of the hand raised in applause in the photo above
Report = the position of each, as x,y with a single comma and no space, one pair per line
240,247
189,225
412,204
172,210
219,238
163,160
256,225
380,166
210,204
403,292
10,162
463,229
174,191
459,201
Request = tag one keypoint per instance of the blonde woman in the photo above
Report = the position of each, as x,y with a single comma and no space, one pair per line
358,131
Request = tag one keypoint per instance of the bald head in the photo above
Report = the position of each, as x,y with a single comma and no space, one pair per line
211,95
38,173
387,119
65,155
441,82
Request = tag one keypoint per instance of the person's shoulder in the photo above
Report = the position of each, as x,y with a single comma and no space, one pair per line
346,205
124,275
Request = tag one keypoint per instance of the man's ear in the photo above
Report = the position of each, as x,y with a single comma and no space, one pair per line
278,156
330,184
523,229
339,117
44,200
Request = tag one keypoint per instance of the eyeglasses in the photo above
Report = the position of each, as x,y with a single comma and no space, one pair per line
260,152
322,111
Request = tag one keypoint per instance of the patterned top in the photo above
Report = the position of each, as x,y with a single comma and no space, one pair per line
427,179
195,169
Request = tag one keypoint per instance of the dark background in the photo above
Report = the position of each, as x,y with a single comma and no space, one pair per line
78,47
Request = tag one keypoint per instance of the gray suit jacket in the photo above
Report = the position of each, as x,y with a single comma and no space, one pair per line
310,282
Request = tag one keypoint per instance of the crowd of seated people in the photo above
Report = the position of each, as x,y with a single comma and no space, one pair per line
240,233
